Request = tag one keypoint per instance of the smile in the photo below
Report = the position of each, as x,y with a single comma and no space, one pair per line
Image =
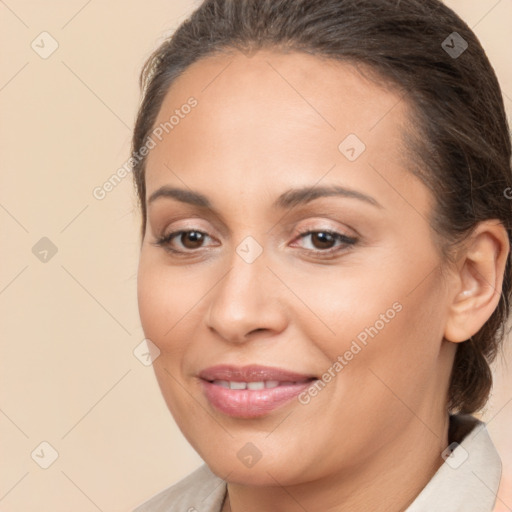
251,391
268,384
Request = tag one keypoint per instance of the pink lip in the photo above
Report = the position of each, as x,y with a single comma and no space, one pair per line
248,403
251,373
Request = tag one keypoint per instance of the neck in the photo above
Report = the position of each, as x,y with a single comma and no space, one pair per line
389,482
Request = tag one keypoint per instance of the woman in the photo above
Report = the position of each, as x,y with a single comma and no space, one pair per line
325,263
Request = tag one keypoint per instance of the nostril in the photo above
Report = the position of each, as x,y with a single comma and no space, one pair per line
257,330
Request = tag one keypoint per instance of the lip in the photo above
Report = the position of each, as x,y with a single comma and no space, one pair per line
252,373
251,403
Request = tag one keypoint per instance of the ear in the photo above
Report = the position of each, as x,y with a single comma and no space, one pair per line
479,280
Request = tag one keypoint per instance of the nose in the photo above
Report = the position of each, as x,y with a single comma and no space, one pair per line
246,302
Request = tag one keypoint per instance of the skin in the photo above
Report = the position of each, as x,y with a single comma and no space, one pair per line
266,123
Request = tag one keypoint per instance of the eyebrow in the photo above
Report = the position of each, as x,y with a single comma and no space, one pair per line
288,199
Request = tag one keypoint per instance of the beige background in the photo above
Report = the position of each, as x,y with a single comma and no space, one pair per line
70,325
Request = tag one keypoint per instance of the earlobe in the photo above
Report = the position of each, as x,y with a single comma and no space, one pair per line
479,280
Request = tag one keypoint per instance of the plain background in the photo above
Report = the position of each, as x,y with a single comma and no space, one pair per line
69,325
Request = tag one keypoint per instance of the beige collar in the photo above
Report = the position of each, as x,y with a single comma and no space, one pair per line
469,478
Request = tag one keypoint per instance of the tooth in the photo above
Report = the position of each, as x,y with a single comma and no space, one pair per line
271,383
256,385
222,383
237,385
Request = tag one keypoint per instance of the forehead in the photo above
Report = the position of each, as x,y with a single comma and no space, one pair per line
284,87
277,116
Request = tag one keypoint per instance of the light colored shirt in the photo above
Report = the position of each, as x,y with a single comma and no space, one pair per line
467,481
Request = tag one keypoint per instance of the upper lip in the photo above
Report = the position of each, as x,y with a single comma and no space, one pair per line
251,373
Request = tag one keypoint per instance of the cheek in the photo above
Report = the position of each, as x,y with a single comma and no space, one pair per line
389,318
159,311
339,306
165,308
167,299
401,363
389,344
152,301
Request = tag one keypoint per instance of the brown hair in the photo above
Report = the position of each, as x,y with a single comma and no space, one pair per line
462,140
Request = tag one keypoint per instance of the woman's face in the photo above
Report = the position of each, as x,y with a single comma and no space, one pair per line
361,310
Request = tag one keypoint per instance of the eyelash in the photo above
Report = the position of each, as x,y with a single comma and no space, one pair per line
346,241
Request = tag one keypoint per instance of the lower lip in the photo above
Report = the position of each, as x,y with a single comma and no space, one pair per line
250,403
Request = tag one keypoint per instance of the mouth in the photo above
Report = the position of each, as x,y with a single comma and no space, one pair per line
252,373
255,385
251,391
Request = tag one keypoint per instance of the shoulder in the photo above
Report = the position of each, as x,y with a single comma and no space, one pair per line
201,490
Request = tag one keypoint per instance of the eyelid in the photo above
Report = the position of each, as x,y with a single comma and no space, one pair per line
323,225
190,224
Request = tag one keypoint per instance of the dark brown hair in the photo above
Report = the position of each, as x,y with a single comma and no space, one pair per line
461,140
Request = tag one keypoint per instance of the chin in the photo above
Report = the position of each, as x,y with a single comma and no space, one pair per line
261,474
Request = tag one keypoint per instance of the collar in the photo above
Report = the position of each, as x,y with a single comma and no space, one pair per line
470,476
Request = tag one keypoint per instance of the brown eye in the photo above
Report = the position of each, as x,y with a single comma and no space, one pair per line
191,239
322,240
183,241
325,243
